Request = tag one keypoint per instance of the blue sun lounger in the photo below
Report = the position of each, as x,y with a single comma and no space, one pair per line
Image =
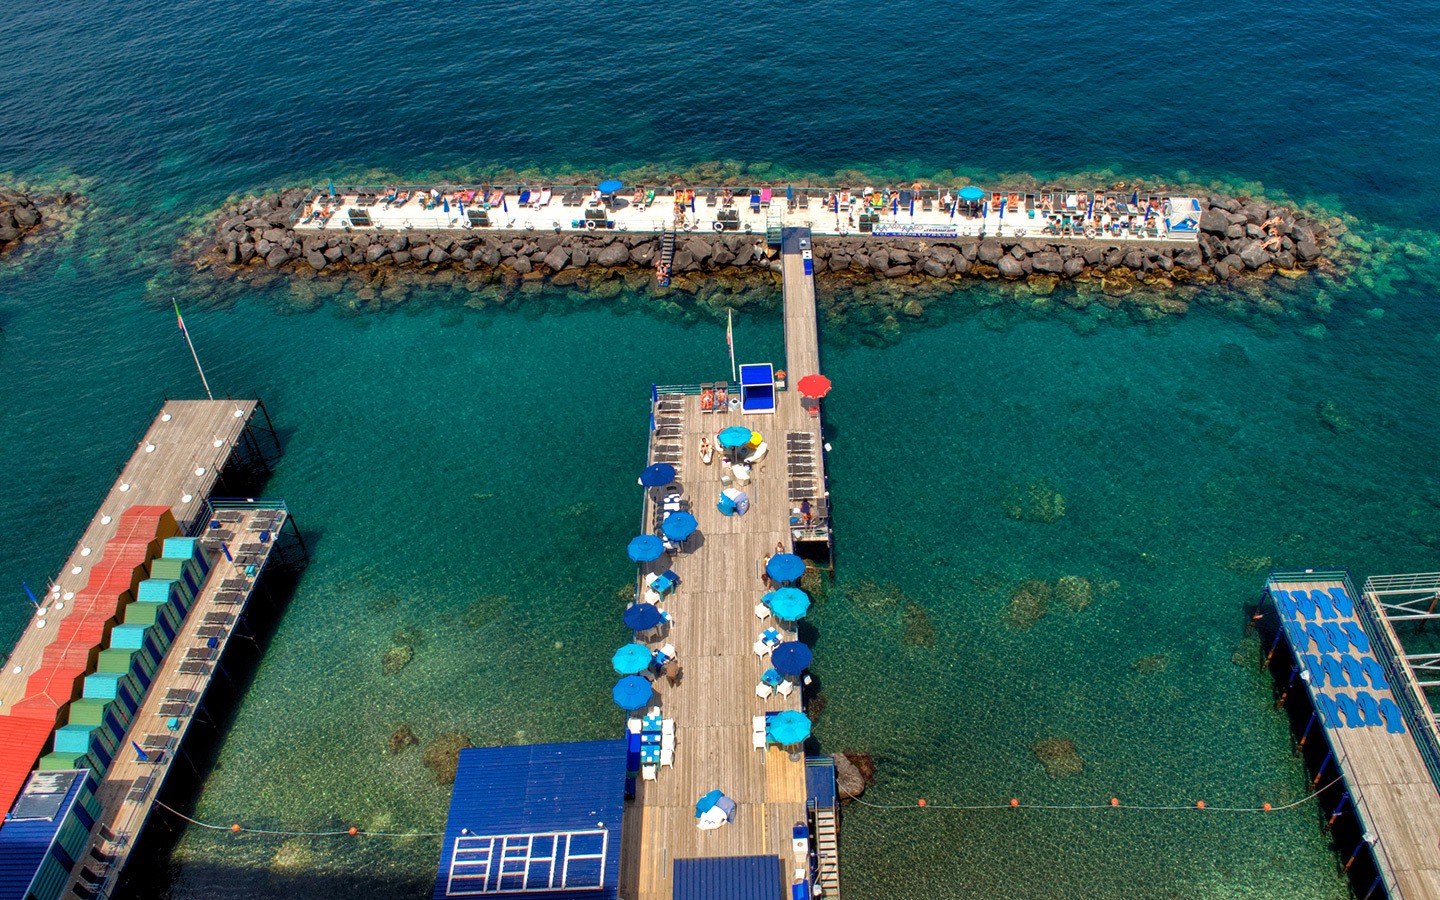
1375,672
1329,712
1353,670
1311,663
1350,710
1296,633
1322,603
1369,709
1394,722
1321,639
1285,604
1334,672
1337,637
1343,604
1304,606
1357,636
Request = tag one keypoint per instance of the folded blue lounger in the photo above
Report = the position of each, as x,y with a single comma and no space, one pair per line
1296,633
1322,640
1311,662
1350,710
1357,636
1307,607
1285,604
1337,637
1342,601
1353,670
1375,672
1369,709
1334,672
1329,712
1322,602
1394,722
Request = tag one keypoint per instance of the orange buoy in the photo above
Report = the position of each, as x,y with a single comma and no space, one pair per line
1014,802
1114,801
235,828
354,830
1266,807
1199,804
922,801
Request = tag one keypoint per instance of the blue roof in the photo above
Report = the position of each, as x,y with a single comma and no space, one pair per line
727,878
552,811
31,827
820,781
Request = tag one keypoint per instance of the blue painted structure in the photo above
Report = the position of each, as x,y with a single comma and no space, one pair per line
537,821
820,783
727,878
44,833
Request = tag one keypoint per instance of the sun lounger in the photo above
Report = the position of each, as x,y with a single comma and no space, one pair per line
1329,713
1322,602
1305,605
524,199
544,198
1369,709
1353,670
1334,672
1342,602
1284,603
1317,634
1311,663
1375,673
1350,710
1394,722
1337,637
766,195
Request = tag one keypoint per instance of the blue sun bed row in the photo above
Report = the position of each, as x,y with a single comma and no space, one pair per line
1360,711
1315,604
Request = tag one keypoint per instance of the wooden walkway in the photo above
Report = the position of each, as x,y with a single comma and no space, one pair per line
802,338
714,630
130,786
176,465
1385,774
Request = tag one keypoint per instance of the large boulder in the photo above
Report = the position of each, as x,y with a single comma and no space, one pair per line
26,216
849,782
374,252
1073,267
1190,259
700,249
1048,262
316,260
522,264
276,258
880,260
743,255
1254,255
644,254
617,254
557,258
1307,251
1214,221
1010,267
990,252
932,267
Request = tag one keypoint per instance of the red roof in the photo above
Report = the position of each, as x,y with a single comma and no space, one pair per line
22,740
59,683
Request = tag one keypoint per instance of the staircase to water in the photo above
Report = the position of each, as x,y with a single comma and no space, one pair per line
827,852
667,257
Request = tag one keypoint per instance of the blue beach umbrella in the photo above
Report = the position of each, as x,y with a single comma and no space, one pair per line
791,657
332,188
1002,207
503,205
657,475
789,603
632,659
954,205
707,803
462,208
912,204
445,202
785,567
1134,198
632,692
610,186
788,727
646,548
789,192
642,617
679,525
971,192
735,436
837,204
895,205
1090,208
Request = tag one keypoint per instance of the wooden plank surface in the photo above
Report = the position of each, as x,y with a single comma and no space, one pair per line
1388,782
129,787
714,630
198,435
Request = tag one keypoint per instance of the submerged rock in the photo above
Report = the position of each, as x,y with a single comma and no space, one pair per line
442,756
1029,603
1074,591
1333,417
488,607
849,782
1039,501
870,594
395,659
1059,757
293,856
408,636
919,631
1155,662
401,739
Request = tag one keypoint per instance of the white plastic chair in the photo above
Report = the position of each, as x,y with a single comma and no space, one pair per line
758,739
761,648
667,726
667,741
784,688
762,690
762,611
667,756
633,725
648,772
668,650
758,723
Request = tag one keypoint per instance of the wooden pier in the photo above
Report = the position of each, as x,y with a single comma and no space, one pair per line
1381,757
716,626
175,464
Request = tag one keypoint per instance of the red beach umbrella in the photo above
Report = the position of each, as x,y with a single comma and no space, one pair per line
814,386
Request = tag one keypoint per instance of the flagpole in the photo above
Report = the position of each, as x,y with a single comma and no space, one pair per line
191,344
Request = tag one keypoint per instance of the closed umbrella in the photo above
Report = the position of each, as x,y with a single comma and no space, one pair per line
791,657
445,201
642,617
971,192
632,659
734,436
646,548
814,386
785,567
679,525
789,603
788,727
657,475
632,692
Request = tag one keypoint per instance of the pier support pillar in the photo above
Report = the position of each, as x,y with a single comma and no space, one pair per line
1320,772
1306,733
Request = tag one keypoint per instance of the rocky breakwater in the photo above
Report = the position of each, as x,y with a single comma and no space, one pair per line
19,215
1239,239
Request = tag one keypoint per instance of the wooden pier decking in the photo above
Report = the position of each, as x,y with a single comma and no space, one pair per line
1385,773
175,465
129,788
715,628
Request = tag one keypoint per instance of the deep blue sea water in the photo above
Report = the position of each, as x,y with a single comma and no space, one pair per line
434,452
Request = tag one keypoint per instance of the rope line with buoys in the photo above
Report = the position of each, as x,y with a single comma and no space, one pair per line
1114,803
348,832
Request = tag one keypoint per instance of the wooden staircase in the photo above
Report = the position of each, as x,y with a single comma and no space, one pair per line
667,256
827,851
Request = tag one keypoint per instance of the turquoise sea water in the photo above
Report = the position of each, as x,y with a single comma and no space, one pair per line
468,474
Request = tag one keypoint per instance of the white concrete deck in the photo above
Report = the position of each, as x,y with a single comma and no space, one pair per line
817,211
